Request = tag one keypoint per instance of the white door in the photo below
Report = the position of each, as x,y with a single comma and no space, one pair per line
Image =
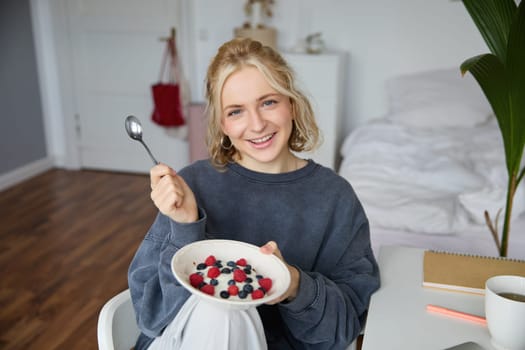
116,53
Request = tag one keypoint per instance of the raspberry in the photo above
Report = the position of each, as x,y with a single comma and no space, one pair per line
196,279
257,294
210,260
214,272
240,270
208,289
239,275
233,290
266,283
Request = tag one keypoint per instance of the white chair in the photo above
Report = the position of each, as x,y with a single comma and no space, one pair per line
117,328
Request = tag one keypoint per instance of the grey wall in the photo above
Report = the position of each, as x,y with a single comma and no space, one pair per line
22,138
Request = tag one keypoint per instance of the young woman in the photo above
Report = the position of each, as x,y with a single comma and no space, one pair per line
256,189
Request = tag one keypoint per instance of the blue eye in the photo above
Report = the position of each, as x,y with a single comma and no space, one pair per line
234,112
269,102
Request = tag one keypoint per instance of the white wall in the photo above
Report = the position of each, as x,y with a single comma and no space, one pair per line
383,38
23,148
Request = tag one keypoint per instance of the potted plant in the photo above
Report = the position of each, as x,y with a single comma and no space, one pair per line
257,9
256,28
501,76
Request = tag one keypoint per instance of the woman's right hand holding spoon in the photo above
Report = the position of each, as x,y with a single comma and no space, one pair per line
172,195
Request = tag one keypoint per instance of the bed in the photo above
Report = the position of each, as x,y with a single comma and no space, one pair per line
426,171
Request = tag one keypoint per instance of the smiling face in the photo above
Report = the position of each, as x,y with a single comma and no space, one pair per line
258,121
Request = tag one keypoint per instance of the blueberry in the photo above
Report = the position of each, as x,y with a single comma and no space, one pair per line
248,288
201,266
231,263
247,270
224,294
259,277
231,282
226,270
248,280
201,285
214,282
242,294
248,266
262,289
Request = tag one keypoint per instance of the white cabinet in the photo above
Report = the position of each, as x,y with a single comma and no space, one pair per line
321,78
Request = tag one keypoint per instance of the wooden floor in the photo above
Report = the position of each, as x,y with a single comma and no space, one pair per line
66,240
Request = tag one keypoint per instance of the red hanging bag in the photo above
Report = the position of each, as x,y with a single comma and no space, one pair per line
167,102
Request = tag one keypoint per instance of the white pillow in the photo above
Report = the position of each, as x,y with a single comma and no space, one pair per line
438,98
433,116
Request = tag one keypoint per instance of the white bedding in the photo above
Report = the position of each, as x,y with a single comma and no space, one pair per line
431,167
427,181
474,240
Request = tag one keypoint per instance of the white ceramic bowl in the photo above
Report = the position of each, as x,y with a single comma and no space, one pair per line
184,263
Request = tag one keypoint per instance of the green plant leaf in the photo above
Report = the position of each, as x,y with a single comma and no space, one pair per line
515,68
493,19
501,76
489,72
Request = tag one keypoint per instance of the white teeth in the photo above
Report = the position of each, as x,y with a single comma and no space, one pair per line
262,139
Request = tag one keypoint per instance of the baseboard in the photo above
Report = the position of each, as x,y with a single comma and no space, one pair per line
25,172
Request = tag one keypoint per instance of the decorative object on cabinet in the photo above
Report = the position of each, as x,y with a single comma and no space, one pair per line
256,10
314,43
321,78
255,28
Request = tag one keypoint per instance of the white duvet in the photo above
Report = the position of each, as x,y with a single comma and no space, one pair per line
437,181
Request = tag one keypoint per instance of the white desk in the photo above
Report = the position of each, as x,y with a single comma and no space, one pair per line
397,318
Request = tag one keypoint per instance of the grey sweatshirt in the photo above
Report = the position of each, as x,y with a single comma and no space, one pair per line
320,227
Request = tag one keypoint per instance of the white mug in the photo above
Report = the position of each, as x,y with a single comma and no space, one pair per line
505,316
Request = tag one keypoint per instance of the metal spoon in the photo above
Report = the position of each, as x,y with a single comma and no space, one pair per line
134,130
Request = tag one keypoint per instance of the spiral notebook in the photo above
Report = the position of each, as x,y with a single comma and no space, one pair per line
465,273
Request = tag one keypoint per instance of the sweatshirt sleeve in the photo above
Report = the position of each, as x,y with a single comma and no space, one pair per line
155,293
330,308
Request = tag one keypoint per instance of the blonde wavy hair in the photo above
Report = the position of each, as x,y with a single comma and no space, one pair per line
230,58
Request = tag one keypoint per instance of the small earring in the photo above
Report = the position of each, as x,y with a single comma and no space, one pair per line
226,147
